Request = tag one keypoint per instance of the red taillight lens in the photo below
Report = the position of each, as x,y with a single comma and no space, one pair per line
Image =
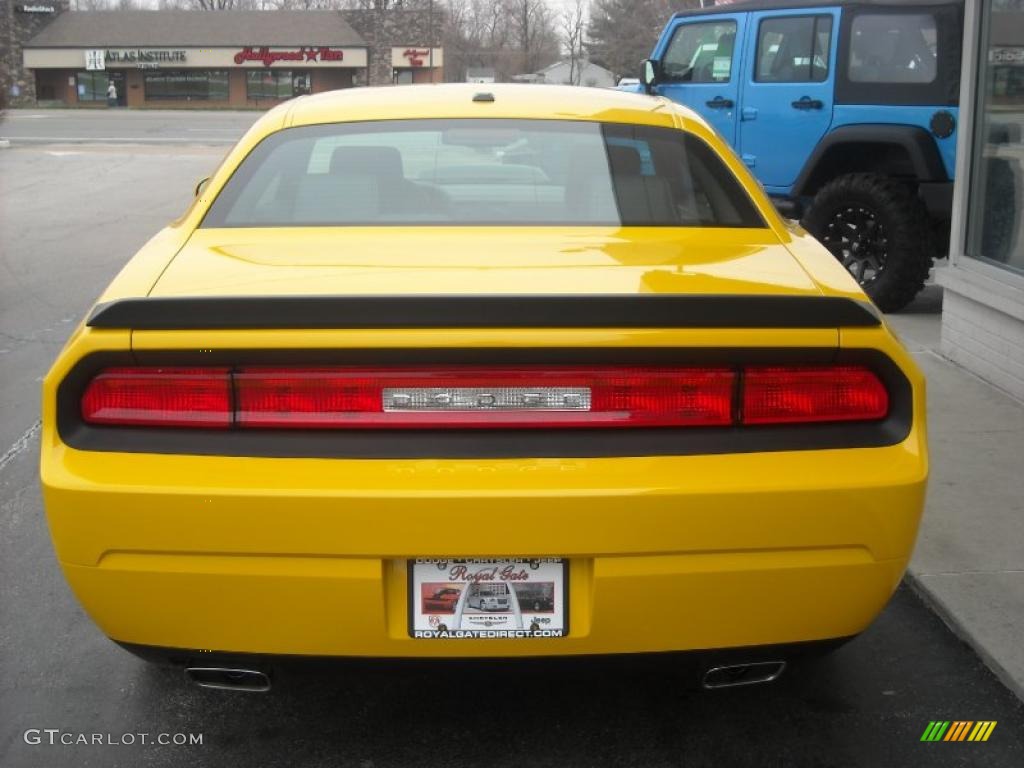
471,397
161,397
478,397
801,395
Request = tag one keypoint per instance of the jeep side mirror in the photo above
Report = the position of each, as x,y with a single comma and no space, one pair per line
649,74
201,185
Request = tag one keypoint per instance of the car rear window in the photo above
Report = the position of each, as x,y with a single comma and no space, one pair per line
482,172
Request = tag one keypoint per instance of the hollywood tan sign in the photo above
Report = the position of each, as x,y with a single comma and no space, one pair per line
413,56
268,57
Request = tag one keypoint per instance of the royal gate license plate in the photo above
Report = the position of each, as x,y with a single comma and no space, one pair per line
489,599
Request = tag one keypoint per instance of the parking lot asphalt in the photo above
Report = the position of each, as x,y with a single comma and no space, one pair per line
40,127
69,218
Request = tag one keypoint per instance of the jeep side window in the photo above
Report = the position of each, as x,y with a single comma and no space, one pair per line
700,53
793,49
893,48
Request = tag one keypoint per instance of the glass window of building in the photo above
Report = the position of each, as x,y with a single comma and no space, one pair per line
276,84
995,222
92,86
186,85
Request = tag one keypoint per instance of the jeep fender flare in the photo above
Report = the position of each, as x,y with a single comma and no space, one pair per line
915,141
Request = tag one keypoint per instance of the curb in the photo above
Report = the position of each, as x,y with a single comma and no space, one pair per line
5,144
964,633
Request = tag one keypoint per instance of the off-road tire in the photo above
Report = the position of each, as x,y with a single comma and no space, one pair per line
999,217
907,228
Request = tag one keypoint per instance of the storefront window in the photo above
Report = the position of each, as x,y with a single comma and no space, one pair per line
92,86
275,84
995,225
187,85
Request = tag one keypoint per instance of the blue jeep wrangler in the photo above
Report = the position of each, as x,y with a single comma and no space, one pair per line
846,111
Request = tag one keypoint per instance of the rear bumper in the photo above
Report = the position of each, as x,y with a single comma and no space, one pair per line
308,557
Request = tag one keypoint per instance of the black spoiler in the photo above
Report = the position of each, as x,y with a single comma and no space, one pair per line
483,311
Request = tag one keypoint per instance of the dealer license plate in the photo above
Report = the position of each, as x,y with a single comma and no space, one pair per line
489,599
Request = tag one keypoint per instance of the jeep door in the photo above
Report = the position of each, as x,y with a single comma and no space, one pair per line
787,91
700,65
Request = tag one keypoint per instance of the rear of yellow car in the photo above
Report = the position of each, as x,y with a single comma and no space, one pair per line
291,438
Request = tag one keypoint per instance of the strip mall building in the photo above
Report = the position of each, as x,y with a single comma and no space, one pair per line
216,59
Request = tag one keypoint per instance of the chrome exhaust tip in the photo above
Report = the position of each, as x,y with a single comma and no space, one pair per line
734,675
229,678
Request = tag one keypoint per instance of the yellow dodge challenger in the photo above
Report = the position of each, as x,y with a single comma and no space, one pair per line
451,372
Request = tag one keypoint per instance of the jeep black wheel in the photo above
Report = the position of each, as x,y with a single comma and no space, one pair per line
879,230
999,218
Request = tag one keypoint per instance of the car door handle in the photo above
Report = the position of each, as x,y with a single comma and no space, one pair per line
719,103
749,113
808,103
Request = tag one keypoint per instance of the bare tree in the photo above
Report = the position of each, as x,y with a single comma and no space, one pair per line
573,25
622,32
90,5
533,31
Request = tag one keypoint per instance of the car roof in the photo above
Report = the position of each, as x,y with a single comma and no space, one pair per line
777,5
493,100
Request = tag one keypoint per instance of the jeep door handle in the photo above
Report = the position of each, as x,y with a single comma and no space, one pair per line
808,103
719,103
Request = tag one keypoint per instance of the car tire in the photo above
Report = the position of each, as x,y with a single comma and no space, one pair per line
879,230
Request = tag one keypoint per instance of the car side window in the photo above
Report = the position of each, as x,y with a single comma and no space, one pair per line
700,53
793,49
893,48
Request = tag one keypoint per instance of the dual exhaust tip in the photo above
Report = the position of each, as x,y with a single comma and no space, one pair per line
255,681
735,675
229,678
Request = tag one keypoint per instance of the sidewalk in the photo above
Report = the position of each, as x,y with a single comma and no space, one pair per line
969,561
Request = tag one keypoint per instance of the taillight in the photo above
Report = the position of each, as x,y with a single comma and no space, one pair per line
801,395
471,397
494,397
160,397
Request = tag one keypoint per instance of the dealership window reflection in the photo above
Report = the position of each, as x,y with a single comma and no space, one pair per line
186,85
92,86
995,225
275,84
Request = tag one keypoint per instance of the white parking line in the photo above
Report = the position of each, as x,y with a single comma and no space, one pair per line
20,445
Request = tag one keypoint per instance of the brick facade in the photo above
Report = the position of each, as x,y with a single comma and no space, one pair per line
383,29
17,86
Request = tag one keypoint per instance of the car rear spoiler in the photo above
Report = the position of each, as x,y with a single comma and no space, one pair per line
483,311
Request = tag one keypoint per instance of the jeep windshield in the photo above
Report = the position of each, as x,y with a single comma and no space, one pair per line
482,172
